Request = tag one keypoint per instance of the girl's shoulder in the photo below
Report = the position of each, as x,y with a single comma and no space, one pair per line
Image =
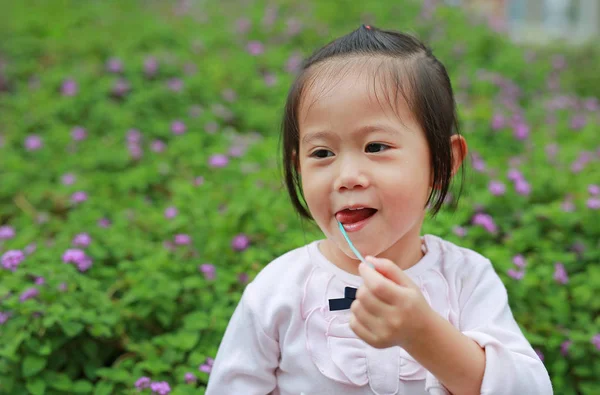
281,280
457,260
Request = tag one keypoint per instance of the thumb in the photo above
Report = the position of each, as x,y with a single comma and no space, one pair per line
391,271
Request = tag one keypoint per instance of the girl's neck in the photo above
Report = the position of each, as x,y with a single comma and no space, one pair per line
405,253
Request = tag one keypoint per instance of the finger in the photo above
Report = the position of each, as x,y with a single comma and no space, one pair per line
361,330
368,320
384,289
391,271
371,303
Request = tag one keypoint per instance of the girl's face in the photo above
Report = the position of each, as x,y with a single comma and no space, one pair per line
356,153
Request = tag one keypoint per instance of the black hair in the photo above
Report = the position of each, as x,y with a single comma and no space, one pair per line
415,73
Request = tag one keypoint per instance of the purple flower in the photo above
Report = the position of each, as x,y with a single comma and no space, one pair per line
160,387
79,197
255,48
133,136
205,368
522,187
515,175
78,133
594,190
229,95
199,181
150,66
498,121
40,280
243,25
178,127
4,317
517,275
208,270
190,68
484,220
218,160
460,231
62,287
11,259
560,274
270,79
243,278
82,240
175,84
593,203
142,383
551,150
596,341
30,249
79,258
68,179
170,212
478,163
564,347
521,131
293,63
6,232
539,354
578,122
121,88
519,261
33,143
559,62
496,188
240,242
211,127
104,222
190,378
182,239
135,150
114,65
236,151
29,293
567,206
158,146
293,27
69,87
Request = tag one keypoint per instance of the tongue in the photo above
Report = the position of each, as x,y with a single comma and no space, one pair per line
352,216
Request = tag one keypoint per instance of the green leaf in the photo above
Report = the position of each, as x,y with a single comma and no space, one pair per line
104,388
36,386
32,364
82,387
71,328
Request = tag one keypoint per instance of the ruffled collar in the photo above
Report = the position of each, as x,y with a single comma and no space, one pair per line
334,348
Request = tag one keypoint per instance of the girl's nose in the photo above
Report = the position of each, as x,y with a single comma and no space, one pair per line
351,175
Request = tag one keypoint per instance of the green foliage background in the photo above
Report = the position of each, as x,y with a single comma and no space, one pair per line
144,308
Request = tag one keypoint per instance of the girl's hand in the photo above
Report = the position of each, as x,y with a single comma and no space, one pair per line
389,309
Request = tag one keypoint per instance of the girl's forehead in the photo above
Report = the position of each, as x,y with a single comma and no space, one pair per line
368,89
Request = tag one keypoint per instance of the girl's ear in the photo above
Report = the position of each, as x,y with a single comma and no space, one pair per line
459,148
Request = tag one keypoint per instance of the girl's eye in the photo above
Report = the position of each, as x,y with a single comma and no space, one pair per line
321,153
376,147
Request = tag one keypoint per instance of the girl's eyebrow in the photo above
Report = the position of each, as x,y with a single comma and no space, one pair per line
361,131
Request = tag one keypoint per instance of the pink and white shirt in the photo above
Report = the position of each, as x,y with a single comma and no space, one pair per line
283,340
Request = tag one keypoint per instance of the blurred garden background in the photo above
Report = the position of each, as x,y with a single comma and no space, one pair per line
140,189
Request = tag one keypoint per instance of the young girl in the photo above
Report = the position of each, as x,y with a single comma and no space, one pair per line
370,141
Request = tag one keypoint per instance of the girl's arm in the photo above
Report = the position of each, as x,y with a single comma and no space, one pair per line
246,359
488,354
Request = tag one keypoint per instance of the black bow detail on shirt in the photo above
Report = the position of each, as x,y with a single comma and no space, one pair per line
345,302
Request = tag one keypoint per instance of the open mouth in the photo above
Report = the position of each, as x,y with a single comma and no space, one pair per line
354,219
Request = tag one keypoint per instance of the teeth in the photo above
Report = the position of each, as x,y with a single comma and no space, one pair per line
358,208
